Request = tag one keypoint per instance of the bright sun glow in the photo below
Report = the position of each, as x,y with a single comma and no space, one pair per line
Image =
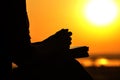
101,62
101,12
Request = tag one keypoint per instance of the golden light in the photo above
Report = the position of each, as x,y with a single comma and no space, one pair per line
114,63
101,62
96,28
97,20
101,12
85,62
14,65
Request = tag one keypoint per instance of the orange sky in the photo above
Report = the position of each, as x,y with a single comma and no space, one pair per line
48,16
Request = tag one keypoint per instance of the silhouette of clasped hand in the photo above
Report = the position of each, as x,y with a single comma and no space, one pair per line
52,60
54,44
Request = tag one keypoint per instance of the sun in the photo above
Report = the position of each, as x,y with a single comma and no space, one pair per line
101,12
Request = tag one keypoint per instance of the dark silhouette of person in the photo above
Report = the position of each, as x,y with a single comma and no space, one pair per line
14,33
48,59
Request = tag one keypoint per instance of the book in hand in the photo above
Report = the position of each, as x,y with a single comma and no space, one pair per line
79,52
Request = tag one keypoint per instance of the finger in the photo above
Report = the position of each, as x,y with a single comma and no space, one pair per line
69,33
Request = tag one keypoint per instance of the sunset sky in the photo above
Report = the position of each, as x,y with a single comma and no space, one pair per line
94,23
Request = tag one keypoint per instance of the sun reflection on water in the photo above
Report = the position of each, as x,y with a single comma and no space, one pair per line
100,62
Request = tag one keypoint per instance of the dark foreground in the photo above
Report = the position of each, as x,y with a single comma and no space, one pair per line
104,73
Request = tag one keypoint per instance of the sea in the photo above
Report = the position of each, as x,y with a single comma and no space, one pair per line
102,67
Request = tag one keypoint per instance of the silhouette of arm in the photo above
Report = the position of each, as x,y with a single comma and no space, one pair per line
19,33
59,42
